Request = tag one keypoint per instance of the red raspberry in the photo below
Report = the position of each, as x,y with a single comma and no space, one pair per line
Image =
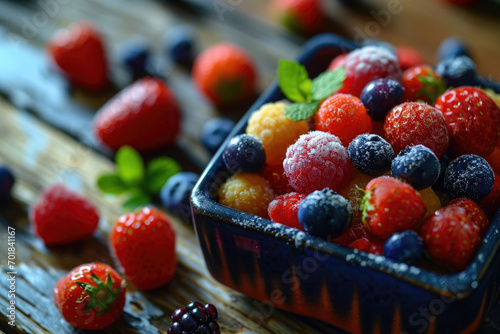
275,174
317,160
343,116
491,203
283,209
421,83
477,215
353,233
367,64
62,216
414,123
408,57
337,62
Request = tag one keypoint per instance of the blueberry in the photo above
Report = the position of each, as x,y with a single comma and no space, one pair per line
416,165
214,132
135,56
490,84
443,162
469,176
458,71
452,47
179,44
371,154
176,192
244,153
405,246
380,96
324,213
6,184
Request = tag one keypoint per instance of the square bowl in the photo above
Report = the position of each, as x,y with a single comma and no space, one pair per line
353,290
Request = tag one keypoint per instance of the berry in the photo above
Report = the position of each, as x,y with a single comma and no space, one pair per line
135,57
458,71
143,242
417,166
389,206
371,154
367,64
421,83
452,47
450,237
195,318
431,200
299,16
176,193
317,160
494,158
325,213
275,174
79,53
353,192
284,208
179,43
472,119
414,123
379,43
353,234
380,96
144,115
405,246
477,215
408,57
337,62
91,296
247,192
244,153
62,216
275,130
469,176
6,184
491,203
214,132
343,116
225,74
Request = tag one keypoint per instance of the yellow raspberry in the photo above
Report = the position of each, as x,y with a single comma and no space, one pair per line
432,203
247,192
275,130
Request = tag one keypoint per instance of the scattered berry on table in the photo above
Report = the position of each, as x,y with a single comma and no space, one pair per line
422,84
452,47
179,43
317,160
284,209
299,16
247,192
176,193
135,56
143,242
244,153
195,318
325,213
469,176
91,296
380,96
475,213
62,216
6,184
275,174
214,132
491,203
405,246
408,57
414,123
416,165
371,154
458,71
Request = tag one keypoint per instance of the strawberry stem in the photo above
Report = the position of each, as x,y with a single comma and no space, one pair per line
102,296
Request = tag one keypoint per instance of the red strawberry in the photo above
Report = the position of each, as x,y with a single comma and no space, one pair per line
451,237
79,53
422,83
390,205
472,119
90,296
283,209
299,16
225,73
491,203
477,215
62,216
414,123
408,57
144,115
144,244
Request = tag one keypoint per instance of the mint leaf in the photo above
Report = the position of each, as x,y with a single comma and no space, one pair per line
158,172
301,111
294,81
136,202
111,184
327,83
130,165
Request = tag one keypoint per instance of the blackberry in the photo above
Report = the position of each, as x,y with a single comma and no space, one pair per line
195,318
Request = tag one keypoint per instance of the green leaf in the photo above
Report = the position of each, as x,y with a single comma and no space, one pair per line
158,172
301,111
327,83
294,81
130,165
111,184
136,201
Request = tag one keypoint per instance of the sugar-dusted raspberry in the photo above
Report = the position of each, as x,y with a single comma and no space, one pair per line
317,160
275,130
343,116
275,174
414,123
247,192
283,209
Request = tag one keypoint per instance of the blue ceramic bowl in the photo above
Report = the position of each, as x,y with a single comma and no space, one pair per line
353,290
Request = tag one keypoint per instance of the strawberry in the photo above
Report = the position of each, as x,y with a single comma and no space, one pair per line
476,215
422,83
91,296
144,115
451,237
299,16
472,119
491,203
79,53
144,244
408,57
62,216
390,205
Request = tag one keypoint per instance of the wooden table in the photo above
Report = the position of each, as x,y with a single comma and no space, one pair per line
41,154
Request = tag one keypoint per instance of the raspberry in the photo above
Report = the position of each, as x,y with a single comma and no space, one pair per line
276,131
343,116
414,123
275,174
195,318
247,192
283,209
317,160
